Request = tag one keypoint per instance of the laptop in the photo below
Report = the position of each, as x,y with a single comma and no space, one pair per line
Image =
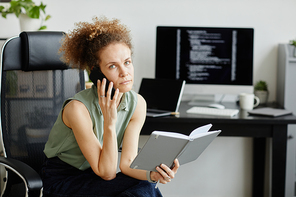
163,96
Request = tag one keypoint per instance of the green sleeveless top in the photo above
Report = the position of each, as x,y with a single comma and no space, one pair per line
61,141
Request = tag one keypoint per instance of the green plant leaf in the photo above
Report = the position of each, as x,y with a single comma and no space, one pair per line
42,27
1,8
14,4
15,7
33,12
42,7
47,17
261,85
293,42
27,4
18,12
4,14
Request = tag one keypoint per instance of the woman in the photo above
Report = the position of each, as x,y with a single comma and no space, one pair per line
82,148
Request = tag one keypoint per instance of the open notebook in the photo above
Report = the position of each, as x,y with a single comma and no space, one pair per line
163,96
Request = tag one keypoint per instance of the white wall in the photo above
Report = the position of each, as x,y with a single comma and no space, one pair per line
225,169
273,21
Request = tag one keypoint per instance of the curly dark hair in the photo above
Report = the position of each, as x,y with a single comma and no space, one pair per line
80,47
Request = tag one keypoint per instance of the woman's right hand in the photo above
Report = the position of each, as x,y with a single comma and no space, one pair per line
102,159
108,105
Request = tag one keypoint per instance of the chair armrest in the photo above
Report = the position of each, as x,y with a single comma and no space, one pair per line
30,177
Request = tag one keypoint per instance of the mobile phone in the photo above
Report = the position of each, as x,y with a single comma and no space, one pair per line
96,74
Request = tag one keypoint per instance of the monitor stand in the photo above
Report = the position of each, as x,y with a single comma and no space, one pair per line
204,101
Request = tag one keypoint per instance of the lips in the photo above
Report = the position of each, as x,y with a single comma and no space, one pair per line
126,82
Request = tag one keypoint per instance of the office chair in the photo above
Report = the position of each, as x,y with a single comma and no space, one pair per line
34,84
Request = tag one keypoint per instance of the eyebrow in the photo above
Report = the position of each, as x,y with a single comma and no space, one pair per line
116,62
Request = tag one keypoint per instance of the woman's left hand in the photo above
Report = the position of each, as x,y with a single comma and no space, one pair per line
165,174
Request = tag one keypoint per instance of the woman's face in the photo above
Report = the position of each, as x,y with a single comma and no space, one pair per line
116,65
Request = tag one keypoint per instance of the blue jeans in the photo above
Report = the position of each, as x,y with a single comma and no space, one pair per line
62,180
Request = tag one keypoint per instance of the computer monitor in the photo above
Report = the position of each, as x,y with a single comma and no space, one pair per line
212,60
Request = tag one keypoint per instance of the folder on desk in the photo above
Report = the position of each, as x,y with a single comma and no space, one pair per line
163,96
268,111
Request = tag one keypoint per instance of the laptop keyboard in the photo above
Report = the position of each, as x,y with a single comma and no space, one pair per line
213,111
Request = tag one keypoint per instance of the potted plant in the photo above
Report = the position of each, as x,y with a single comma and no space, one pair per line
40,123
28,13
261,91
293,43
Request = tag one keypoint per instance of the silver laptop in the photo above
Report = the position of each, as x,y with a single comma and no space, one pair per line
163,96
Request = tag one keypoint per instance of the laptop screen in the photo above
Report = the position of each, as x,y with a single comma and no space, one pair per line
162,94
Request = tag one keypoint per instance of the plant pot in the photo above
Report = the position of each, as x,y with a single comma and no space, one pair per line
29,24
262,95
38,135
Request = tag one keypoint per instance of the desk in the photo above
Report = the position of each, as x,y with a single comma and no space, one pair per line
242,125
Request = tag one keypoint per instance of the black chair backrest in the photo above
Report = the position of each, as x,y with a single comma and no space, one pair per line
34,85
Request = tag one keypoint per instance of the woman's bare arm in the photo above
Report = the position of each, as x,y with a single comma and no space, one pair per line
102,159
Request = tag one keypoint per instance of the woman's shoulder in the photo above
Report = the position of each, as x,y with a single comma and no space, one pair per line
131,96
85,97
87,92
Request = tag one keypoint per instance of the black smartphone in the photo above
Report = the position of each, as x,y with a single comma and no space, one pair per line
96,74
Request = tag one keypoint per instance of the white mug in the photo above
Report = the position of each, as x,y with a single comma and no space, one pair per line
246,101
